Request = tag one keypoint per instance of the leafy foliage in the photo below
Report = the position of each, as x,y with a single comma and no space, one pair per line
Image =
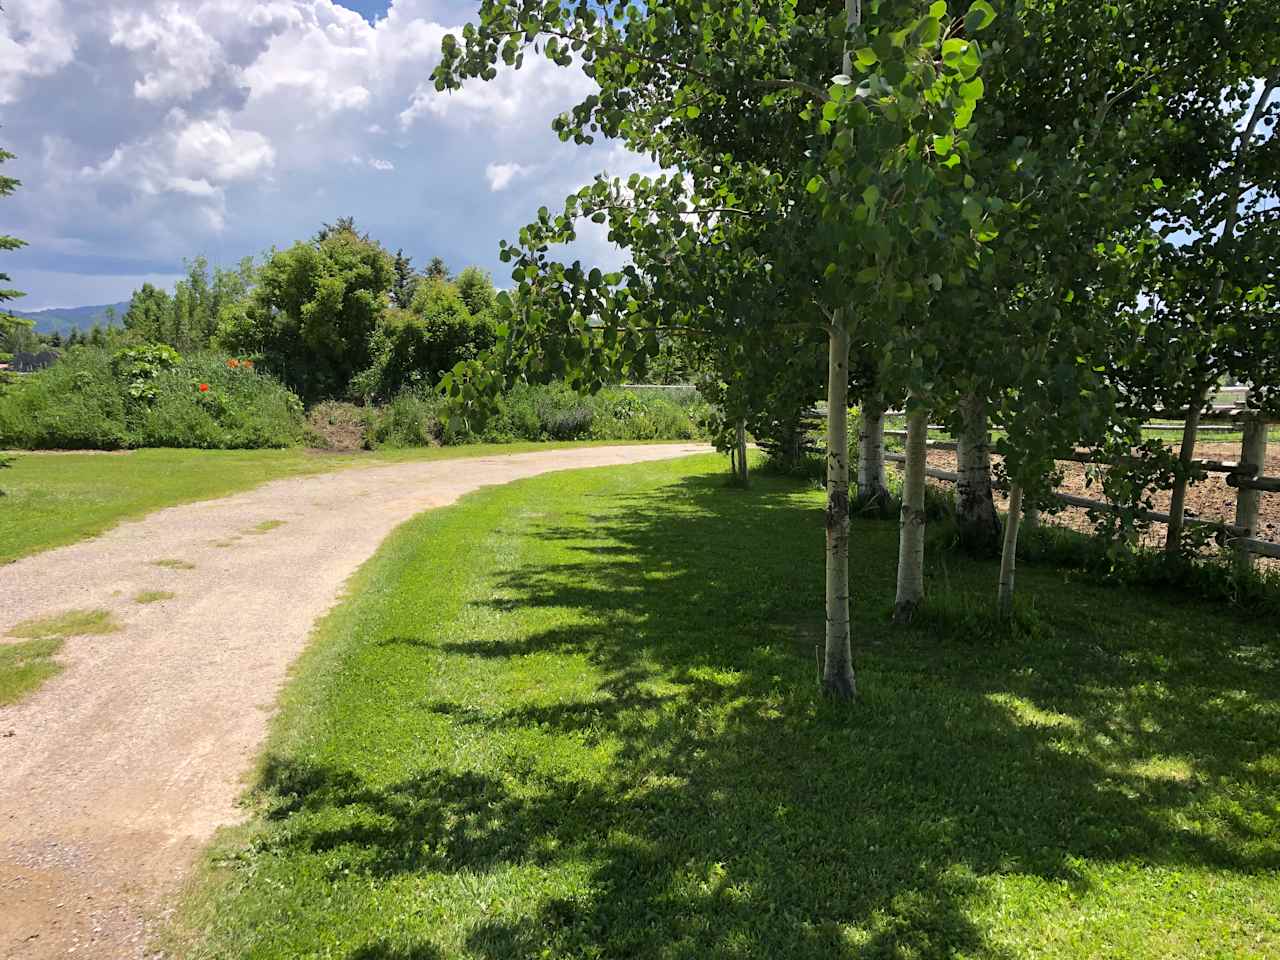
414,347
148,396
313,312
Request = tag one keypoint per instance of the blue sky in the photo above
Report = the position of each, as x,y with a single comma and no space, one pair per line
148,131
369,9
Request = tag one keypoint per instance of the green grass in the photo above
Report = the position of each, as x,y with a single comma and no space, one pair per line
173,563
576,717
25,666
72,623
153,596
266,526
54,499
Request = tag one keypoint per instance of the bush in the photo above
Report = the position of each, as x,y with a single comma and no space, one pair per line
413,348
556,412
144,397
412,419
241,409
75,404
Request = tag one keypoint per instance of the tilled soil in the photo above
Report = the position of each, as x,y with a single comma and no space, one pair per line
117,771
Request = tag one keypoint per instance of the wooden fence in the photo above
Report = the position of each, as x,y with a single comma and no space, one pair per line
1244,475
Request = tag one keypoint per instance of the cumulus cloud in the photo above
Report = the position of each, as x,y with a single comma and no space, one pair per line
149,130
500,175
198,158
36,40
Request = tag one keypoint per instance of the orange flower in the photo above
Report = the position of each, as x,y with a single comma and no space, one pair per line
233,363
204,388
247,364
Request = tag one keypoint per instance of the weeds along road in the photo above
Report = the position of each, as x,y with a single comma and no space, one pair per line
117,771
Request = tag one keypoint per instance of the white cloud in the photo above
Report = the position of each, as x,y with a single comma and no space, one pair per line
500,175
149,130
177,56
36,40
513,95
194,158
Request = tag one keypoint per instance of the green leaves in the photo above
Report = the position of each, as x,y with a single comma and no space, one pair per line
980,16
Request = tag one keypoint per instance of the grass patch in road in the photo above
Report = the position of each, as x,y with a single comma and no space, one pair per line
25,666
576,717
52,499
153,596
266,526
170,563
72,623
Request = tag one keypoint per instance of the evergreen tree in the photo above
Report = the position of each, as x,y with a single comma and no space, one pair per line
436,269
406,281
9,325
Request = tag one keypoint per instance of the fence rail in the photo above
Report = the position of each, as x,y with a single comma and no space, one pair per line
1243,475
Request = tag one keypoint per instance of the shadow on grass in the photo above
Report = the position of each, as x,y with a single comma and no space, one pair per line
739,815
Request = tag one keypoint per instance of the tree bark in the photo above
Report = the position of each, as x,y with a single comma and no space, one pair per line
1252,450
741,443
872,489
912,520
837,672
976,516
1031,517
1009,554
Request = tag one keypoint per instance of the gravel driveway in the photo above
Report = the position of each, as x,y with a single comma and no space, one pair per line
118,770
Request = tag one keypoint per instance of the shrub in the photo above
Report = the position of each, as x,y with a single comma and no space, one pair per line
413,348
148,396
241,409
555,412
412,419
75,404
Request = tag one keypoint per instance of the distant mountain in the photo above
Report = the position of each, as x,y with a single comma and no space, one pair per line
65,319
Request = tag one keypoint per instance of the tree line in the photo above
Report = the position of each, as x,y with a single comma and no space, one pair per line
336,316
1048,219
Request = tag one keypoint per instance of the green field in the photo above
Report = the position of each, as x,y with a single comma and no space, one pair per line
52,499
576,717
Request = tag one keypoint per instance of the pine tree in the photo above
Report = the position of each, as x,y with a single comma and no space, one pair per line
436,270
9,324
405,283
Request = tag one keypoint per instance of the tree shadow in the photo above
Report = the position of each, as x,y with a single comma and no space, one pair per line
740,815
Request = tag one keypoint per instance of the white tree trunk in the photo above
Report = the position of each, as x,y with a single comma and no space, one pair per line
1009,554
1248,502
1178,498
976,516
1178,502
872,489
912,520
837,670
741,443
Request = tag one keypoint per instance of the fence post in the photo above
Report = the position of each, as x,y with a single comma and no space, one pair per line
1253,451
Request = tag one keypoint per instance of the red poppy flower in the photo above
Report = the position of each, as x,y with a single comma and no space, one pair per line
204,388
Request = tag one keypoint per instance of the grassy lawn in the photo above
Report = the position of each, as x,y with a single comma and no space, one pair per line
577,717
54,499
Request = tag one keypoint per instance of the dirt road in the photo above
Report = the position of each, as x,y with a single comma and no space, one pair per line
115,773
